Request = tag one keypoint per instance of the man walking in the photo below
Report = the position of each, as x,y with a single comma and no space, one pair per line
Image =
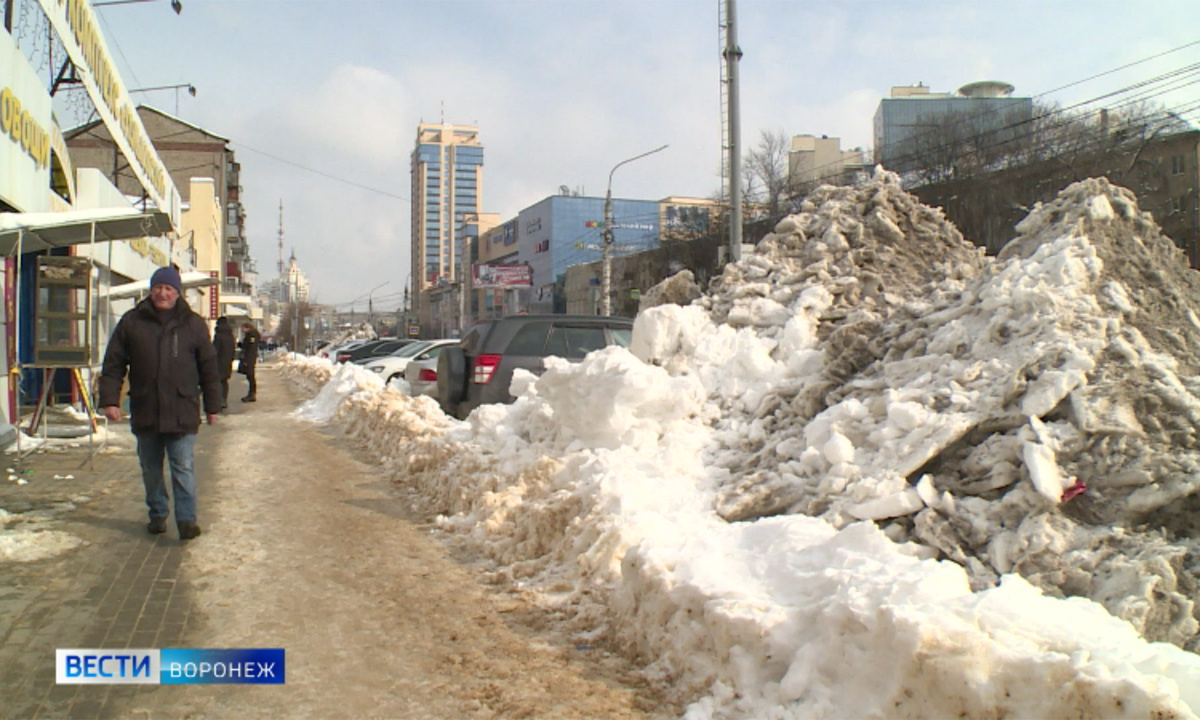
164,346
224,345
249,346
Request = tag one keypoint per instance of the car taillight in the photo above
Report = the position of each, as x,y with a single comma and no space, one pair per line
485,368
427,375
343,357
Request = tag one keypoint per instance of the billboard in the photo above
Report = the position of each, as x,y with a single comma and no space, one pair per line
501,276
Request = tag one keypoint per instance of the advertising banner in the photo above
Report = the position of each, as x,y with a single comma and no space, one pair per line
10,335
500,276
214,296
26,123
77,28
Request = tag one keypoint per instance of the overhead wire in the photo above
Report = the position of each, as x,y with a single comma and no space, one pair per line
319,172
1148,93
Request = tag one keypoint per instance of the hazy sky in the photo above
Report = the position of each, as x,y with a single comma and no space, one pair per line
321,99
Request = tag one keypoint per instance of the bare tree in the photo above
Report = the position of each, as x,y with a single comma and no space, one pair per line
766,172
986,179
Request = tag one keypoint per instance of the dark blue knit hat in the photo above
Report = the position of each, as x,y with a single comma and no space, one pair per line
167,276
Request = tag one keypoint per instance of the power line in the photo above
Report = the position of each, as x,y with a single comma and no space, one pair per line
319,172
1147,94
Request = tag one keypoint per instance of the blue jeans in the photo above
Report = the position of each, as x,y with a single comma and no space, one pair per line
151,447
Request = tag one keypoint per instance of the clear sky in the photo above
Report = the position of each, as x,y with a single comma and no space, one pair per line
321,99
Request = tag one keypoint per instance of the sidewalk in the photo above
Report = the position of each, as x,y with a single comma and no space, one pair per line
120,589
307,546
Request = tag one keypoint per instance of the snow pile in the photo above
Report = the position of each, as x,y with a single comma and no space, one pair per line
23,539
973,407
362,331
756,508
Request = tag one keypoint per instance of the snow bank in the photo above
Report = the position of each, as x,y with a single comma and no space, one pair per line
870,473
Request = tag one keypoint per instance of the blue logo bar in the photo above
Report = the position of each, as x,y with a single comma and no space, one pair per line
106,667
172,666
253,666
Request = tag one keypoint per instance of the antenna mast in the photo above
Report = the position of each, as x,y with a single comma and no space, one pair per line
281,239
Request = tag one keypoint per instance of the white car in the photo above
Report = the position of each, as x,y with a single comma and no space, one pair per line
422,375
392,366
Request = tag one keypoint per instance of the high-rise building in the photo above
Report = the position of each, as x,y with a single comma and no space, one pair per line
912,124
447,187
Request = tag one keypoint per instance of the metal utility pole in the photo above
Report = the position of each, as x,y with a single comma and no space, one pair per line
606,274
733,55
371,303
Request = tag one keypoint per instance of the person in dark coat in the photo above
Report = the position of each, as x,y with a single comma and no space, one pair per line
249,345
224,344
171,362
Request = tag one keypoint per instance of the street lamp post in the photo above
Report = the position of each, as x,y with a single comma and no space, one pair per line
190,88
370,303
176,5
606,273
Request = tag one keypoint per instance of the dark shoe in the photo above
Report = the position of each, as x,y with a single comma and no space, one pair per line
157,526
188,530
248,398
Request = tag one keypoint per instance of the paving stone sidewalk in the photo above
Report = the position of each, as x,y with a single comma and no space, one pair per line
121,588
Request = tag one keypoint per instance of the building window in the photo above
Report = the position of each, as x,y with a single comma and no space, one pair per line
1177,164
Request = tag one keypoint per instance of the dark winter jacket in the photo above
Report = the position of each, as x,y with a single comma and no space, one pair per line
249,345
169,364
223,343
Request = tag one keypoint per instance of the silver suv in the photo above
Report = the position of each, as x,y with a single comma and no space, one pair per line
480,368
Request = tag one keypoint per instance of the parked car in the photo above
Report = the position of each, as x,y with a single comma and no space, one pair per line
330,352
421,371
392,367
363,355
368,348
480,368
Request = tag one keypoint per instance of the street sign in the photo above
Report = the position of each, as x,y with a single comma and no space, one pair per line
414,330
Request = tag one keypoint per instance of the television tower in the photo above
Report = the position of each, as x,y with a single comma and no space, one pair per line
281,239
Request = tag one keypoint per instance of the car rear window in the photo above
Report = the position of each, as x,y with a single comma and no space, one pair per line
471,341
574,342
530,340
387,347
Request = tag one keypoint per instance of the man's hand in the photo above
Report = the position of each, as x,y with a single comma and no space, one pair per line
112,412
211,418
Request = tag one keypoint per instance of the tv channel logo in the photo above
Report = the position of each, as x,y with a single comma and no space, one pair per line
171,666
106,667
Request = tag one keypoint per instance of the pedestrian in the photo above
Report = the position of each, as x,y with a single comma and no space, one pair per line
224,344
249,346
171,362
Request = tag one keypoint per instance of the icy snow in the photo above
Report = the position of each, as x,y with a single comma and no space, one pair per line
23,538
869,473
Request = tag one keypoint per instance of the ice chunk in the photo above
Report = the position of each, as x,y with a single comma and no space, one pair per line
1043,471
838,449
905,502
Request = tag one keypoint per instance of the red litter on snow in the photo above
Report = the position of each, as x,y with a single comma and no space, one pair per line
1074,490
